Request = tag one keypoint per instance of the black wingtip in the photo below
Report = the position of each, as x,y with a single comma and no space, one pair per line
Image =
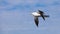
40,11
36,25
44,19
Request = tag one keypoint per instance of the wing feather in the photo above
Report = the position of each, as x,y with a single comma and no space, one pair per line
36,21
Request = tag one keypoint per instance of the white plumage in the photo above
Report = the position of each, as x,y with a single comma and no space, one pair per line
35,14
38,14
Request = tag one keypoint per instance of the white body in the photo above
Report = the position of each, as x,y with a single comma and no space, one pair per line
38,14
35,14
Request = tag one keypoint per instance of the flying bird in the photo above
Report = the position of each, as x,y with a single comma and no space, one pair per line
37,15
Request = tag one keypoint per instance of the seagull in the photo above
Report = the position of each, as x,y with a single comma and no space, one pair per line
37,15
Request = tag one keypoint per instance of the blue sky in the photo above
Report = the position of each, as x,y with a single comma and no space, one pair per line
16,18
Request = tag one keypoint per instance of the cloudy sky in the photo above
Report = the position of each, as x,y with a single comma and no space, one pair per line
16,18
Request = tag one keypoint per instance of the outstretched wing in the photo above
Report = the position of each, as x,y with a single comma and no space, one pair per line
42,16
40,12
36,21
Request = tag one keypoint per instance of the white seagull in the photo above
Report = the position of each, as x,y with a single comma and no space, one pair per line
38,14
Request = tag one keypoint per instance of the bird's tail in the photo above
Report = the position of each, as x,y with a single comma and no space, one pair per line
43,16
46,15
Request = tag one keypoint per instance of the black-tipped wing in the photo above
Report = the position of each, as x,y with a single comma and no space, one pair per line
40,11
36,21
42,16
